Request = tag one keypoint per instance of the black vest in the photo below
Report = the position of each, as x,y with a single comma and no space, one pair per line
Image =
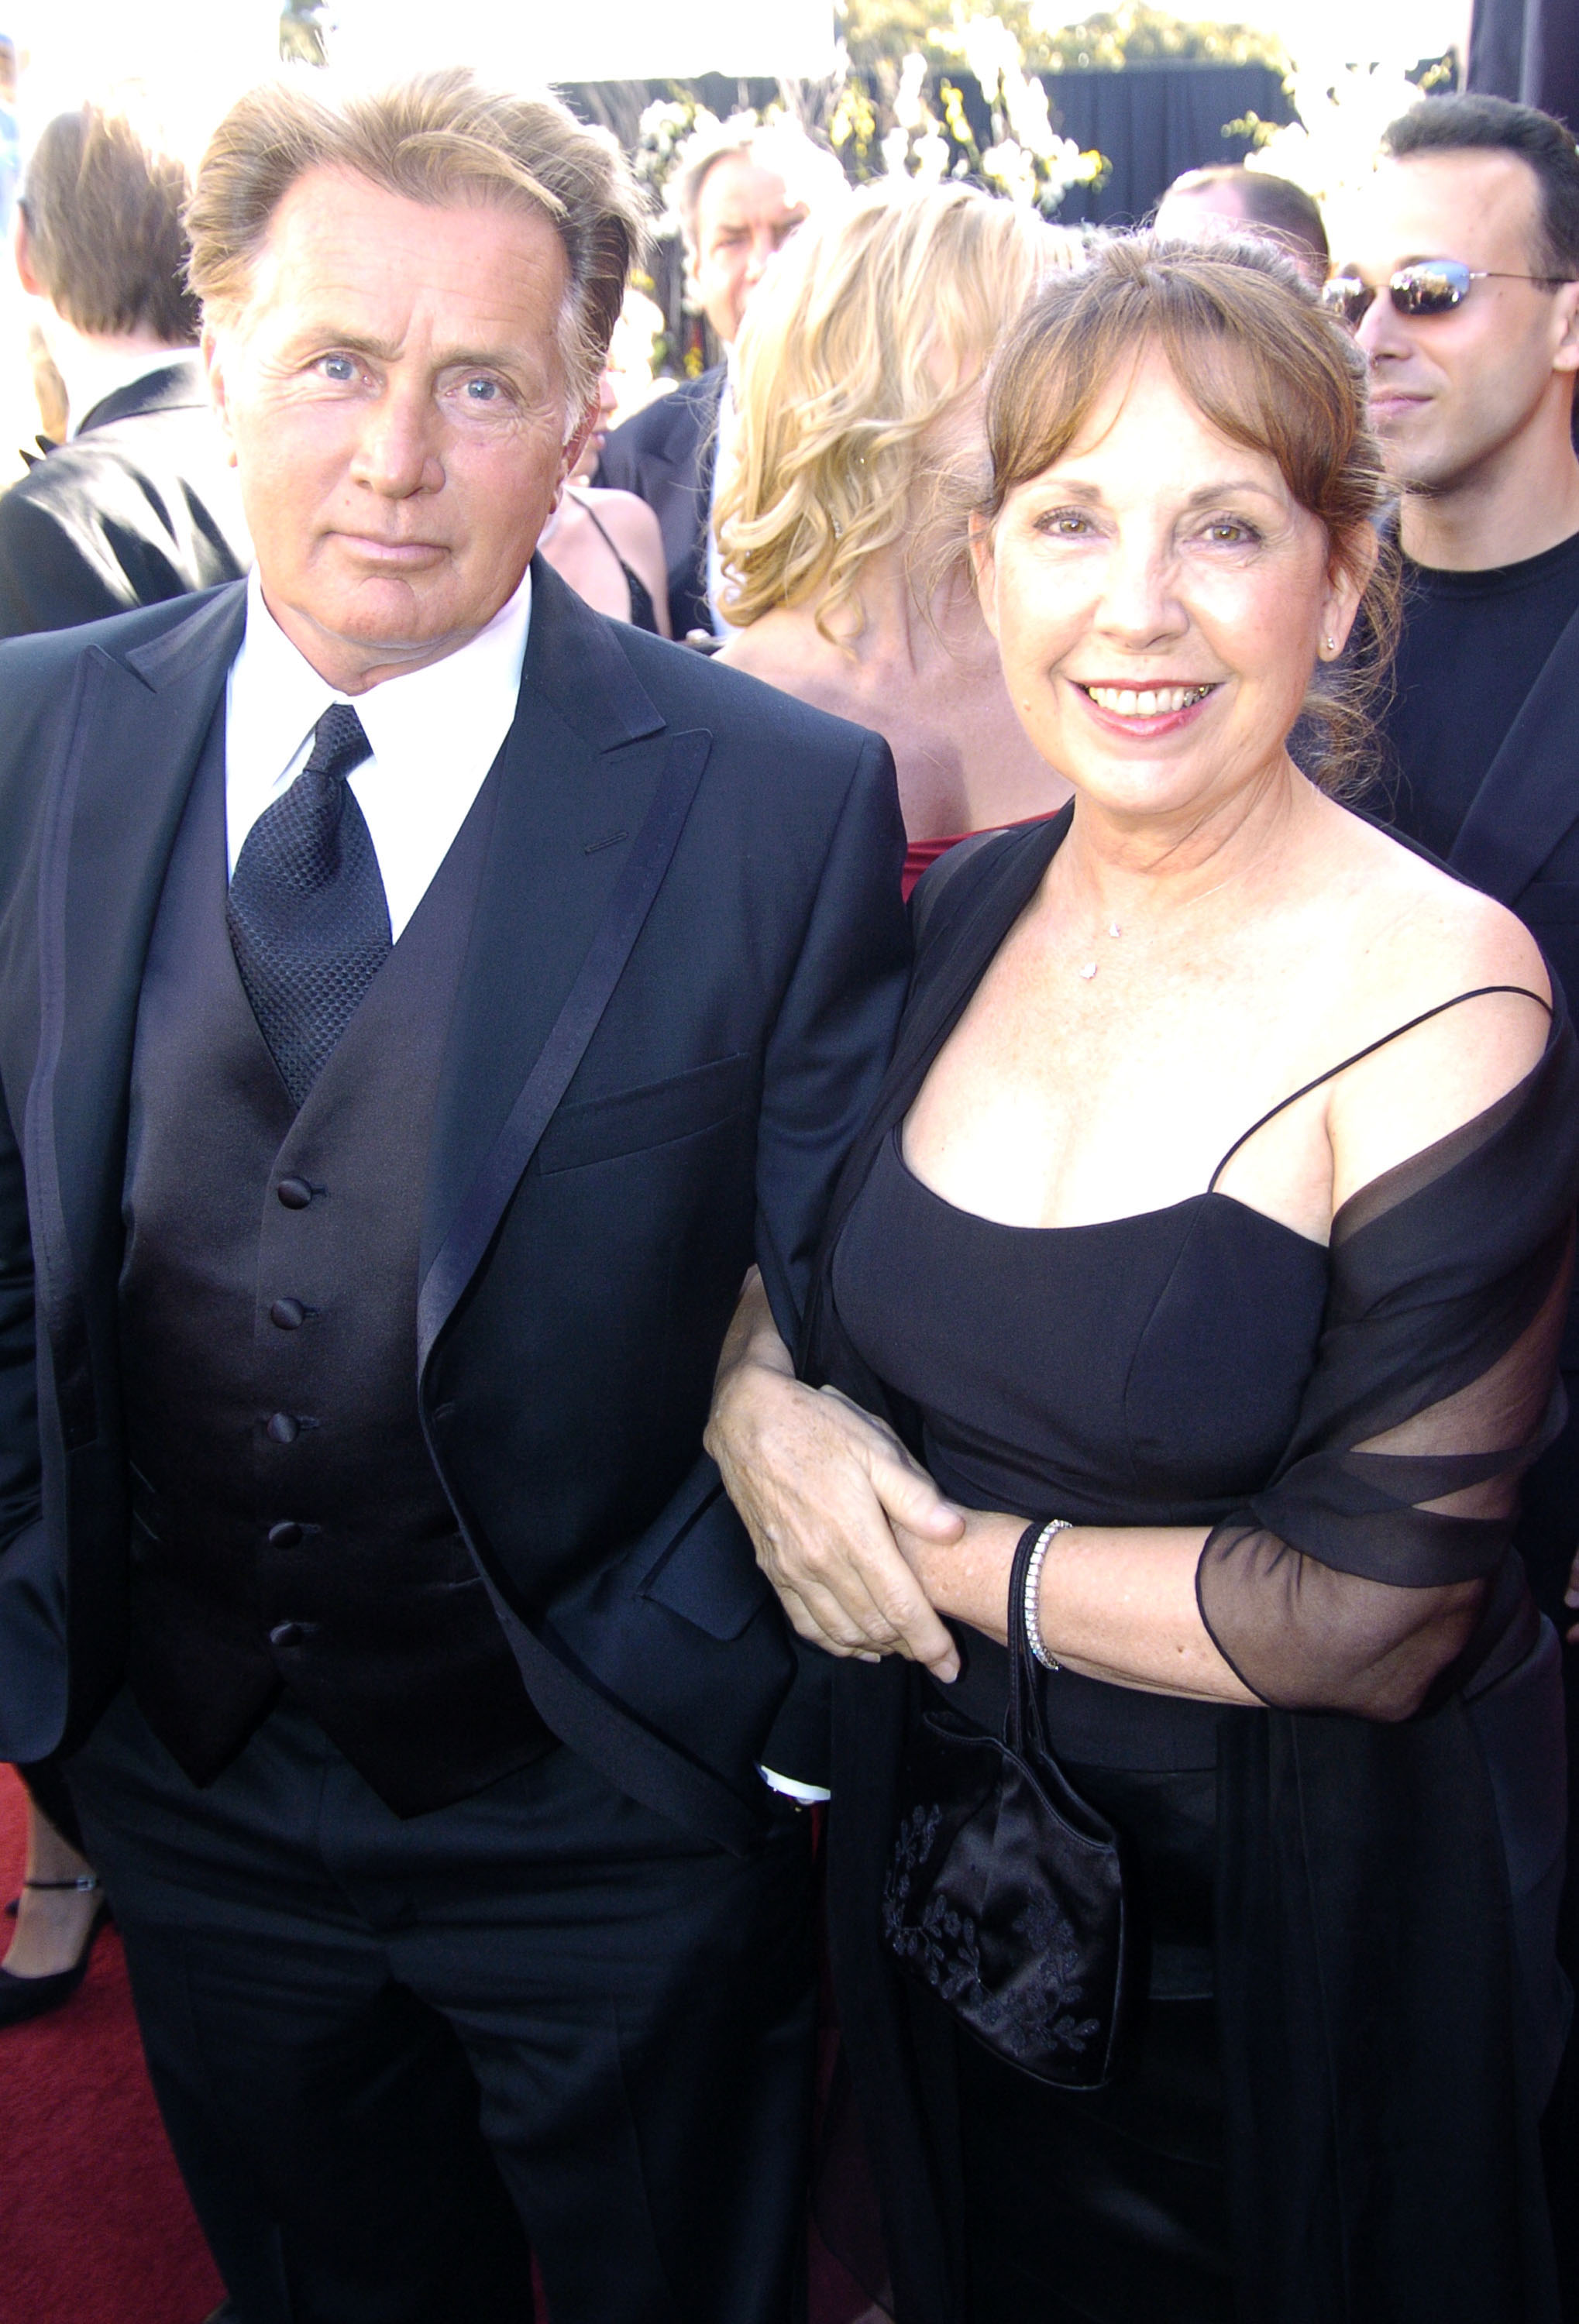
287,1523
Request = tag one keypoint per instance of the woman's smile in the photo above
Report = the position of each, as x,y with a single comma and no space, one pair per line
1141,712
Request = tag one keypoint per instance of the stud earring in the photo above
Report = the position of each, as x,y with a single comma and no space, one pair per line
1332,645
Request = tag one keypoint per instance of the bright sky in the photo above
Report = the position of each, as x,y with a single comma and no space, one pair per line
193,55
1355,30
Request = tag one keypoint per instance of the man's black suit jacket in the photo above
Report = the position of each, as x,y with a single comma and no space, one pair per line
566,1378
141,505
664,455
1519,841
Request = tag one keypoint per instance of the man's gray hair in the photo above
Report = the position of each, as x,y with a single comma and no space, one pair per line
439,138
811,172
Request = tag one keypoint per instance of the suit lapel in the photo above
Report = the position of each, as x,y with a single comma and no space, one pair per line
576,776
118,789
1529,798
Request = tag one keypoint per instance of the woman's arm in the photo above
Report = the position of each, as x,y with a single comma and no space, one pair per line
1116,1602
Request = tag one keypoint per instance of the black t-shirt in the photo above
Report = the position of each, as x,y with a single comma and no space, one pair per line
1472,646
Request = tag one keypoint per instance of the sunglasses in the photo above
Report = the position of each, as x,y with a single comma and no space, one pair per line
1432,286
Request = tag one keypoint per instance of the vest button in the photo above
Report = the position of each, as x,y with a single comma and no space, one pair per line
284,1428
294,1193
285,1535
289,1314
291,1633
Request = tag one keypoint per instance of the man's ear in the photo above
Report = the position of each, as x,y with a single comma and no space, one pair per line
21,251
216,357
1566,357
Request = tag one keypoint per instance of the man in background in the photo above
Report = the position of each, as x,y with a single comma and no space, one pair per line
1461,277
1248,202
140,503
739,193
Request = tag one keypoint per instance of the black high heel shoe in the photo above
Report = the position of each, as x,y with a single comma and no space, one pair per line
23,1997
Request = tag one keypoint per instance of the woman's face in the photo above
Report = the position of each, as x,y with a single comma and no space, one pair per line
1158,598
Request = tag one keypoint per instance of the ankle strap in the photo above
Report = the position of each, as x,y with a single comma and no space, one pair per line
85,1882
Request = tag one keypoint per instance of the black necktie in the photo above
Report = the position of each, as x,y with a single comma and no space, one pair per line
307,916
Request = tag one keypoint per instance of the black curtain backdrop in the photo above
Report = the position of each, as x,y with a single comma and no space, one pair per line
1527,50
1153,122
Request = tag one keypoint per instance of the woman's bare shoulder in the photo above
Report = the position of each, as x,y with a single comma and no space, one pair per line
783,649
1424,946
1418,927
626,518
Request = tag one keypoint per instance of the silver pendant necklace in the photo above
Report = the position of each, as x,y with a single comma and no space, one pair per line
1087,969
1090,968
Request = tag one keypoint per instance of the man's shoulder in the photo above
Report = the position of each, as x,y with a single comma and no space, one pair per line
49,660
690,687
679,418
178,439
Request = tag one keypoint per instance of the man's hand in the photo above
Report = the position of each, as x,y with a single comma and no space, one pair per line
816,1482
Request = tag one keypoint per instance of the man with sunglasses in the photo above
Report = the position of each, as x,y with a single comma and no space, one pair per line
1459,281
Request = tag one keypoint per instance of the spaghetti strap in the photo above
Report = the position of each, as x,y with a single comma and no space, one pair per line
1370,1049
599,526
642,607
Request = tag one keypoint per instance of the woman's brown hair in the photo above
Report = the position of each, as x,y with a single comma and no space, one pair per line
1267,367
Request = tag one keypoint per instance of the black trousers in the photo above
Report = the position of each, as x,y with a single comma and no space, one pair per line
1548,1535
391,2054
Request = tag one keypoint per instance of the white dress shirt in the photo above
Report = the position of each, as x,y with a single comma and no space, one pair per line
435,733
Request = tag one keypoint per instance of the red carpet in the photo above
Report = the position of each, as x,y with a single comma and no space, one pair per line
95,2227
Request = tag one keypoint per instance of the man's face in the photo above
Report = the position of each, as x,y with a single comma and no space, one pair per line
744,216
396,400
1451,394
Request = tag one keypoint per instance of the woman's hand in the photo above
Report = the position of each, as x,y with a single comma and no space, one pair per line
820,1486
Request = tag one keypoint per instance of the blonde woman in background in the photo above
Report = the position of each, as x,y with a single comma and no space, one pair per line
858,397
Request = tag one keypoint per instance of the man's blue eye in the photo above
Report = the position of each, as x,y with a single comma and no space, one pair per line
339,368
481,390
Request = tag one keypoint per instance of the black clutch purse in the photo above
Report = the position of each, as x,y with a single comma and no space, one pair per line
1005,1890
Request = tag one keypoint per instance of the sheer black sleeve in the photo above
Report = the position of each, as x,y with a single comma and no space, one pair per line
1358,1576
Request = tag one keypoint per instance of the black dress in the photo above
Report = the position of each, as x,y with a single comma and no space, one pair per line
1349,1423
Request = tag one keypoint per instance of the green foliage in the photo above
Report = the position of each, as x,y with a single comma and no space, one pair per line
1136,34
880,33
303,35
898,110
